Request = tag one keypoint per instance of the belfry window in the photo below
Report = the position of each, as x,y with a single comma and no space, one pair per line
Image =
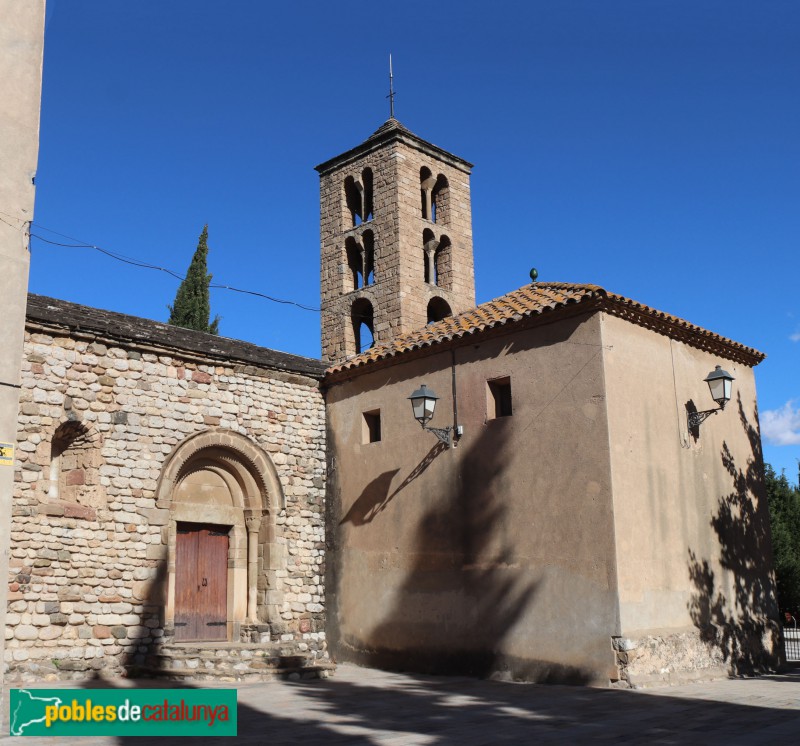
428,250
438,309
363,329
426,183
368,246
368,202
440,199
355,265
353,194
442,264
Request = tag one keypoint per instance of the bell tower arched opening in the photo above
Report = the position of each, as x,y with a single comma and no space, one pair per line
376,201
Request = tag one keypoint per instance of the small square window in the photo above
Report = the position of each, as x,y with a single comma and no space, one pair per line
498,398
371,426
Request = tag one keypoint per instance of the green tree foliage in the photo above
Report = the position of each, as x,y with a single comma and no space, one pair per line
192,306
784,514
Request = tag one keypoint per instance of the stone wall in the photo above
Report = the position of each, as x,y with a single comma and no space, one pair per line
692,655
405,238
89,554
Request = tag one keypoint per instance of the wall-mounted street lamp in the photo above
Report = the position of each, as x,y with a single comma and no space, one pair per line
423,404
719,382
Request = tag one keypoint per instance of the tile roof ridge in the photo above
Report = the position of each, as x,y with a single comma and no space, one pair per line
534,299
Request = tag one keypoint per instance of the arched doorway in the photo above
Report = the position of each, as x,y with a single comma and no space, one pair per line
223,493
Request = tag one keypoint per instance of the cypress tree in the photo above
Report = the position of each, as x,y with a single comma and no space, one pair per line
192,306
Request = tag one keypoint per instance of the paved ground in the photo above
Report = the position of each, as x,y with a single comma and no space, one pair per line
361,707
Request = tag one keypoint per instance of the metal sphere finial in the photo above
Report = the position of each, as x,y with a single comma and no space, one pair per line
534,274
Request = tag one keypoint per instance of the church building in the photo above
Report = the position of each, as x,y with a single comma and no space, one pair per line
568,499
567,515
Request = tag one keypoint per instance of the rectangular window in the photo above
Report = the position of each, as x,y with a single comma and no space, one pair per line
498,398
371,426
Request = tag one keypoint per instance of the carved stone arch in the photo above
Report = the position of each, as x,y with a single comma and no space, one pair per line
220,480
217,441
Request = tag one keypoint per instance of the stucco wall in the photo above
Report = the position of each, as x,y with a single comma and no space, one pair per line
493,556
21,47
691,523
88,569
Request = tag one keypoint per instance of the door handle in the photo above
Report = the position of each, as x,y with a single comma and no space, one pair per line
205,581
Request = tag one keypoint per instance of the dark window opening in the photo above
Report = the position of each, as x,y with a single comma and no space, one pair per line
498,398
354,197
366,180
442,264
440,197
371,427
354,263
368,242
438,309
363,331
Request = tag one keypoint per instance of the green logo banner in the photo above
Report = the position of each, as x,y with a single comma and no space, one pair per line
122,712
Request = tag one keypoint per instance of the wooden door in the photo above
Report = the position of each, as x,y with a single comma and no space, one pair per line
201,582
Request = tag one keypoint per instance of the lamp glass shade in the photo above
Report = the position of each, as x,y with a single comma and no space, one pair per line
423,404
720,383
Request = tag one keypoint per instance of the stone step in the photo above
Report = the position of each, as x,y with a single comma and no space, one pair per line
235,662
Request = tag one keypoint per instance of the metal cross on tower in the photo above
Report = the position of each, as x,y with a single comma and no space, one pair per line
391,90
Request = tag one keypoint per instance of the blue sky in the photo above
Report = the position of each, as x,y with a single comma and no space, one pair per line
648,146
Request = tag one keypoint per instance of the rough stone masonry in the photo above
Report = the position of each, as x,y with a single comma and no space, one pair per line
105,400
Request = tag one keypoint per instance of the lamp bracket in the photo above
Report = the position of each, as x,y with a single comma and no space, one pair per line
444,434
696,418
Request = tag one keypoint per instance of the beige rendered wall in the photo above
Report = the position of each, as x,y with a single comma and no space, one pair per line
691,523
493,556
21,45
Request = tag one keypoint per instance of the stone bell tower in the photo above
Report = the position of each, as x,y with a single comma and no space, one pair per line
396,240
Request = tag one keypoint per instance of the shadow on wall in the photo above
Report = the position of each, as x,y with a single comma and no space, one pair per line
376,495
466,588
143,646
742,626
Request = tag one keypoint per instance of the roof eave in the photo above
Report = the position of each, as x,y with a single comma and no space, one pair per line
381,139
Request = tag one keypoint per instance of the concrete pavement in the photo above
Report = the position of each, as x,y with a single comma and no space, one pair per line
362,706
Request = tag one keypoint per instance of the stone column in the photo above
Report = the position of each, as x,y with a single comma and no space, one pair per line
431,266
253,528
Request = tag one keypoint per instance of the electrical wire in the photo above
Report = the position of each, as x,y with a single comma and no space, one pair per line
145,265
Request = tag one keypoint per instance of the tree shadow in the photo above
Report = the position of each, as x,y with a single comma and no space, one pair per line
464,590
363,708
142,655
737,614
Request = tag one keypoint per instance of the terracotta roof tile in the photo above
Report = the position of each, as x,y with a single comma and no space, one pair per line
537,299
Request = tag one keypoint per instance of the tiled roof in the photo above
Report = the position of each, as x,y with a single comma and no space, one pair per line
61,314
543,298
